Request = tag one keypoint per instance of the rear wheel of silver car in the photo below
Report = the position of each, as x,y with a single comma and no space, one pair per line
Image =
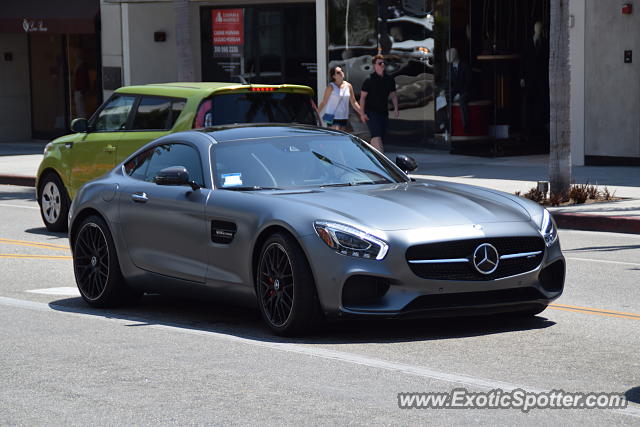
285,287
95,265
54,203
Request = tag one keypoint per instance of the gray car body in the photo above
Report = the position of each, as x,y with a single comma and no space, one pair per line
170,238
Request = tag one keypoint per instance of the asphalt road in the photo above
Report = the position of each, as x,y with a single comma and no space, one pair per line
197,362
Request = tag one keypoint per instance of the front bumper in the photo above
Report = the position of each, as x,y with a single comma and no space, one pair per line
389,288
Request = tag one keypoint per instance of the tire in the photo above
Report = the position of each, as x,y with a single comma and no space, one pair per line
54,203
95,265
285,287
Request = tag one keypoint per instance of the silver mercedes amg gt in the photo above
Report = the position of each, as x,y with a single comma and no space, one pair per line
308,223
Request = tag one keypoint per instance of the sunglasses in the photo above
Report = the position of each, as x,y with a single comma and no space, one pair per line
380,63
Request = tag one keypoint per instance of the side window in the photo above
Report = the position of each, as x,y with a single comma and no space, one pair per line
176,109
153,114
146,165
114,115
137,167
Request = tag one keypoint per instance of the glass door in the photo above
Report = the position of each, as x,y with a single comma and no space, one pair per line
48,85
300,55
270,43
83,75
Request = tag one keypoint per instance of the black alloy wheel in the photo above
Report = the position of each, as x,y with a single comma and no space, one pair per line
285,287
95,265
276,284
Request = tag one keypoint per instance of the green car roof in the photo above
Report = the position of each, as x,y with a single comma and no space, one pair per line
203,89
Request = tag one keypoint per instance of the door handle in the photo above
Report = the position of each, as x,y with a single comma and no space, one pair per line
139,197
68,144
109,148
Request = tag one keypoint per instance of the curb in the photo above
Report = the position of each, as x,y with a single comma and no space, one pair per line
613,224
24,181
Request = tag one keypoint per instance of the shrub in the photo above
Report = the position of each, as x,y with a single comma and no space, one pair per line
579,193
592,191
556,198
608,195
536,195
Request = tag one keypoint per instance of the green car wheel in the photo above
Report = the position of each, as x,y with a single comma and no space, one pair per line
54,203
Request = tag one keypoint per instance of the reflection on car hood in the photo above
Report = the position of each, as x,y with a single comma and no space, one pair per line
406,206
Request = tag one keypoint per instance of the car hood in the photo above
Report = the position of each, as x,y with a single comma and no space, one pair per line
416,205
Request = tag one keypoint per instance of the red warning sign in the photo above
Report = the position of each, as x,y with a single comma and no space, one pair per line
227,26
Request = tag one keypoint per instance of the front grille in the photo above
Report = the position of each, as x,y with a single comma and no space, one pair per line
463,249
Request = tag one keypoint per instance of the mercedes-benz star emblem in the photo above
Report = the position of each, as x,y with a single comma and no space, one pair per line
486,258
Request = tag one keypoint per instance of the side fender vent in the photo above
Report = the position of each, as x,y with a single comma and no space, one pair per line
223,231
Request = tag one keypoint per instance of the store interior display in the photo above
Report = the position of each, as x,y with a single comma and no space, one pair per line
402,31
506,45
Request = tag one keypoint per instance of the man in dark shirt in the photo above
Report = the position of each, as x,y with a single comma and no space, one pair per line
374,101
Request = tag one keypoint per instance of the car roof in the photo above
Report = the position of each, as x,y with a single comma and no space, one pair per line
203,89
268,130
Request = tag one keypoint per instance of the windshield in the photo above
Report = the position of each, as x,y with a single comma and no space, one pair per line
256,107
309,161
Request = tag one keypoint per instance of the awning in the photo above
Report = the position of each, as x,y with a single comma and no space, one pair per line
49,16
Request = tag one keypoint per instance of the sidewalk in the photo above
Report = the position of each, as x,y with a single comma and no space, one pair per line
19,163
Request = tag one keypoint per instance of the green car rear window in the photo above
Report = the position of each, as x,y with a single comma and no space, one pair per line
156,113
256,107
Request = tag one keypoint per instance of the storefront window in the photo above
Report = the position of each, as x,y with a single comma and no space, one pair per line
403,31
270,44
491,72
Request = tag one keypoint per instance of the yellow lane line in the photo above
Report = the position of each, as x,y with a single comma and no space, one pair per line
597,313
33,244
34,256
576,307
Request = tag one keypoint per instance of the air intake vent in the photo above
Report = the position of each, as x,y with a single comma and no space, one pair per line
222,231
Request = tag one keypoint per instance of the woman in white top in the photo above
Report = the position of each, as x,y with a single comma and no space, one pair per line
337,96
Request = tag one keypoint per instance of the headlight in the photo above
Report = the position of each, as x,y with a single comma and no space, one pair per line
350,241
548,228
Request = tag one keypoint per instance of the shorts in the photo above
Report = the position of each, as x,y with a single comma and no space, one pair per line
377,124
340,122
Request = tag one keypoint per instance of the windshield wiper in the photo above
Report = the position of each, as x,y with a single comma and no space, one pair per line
380,181
250,188
341,184
331,162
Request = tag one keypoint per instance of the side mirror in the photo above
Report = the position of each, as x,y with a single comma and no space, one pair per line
406,163
79,125
175,175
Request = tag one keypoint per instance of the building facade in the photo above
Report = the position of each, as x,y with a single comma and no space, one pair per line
60,59
50,65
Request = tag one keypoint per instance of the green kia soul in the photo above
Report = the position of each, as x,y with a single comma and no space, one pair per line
135,115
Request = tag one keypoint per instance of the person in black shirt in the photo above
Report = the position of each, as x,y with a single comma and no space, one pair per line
374,101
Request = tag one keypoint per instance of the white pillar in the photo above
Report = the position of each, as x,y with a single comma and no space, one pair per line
321,46
126,51
577,10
